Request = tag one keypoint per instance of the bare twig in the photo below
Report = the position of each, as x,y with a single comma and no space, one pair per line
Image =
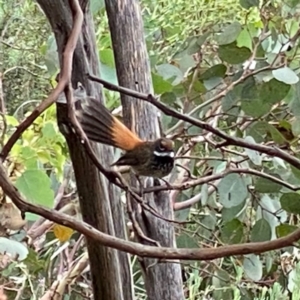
64,80
136,248
229,140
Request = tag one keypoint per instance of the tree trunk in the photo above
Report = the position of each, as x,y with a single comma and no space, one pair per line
100,202
163,281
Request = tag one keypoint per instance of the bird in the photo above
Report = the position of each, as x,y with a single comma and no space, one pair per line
146,158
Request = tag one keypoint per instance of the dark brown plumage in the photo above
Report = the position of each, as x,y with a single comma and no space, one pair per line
147,158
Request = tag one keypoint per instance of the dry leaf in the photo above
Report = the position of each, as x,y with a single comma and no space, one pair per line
63,233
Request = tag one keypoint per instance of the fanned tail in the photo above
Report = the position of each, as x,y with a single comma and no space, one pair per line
101,126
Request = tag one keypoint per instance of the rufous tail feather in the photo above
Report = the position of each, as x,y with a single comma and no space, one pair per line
101,126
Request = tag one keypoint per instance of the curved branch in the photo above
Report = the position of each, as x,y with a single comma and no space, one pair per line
63,81
228,140
136,248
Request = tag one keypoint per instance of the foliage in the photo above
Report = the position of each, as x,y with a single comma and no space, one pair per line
232,66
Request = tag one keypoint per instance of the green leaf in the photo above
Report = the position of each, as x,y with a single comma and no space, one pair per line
49,131
249,3
186,241
232,232
229,34
35,186
296,126
96,5
107,57
255,108
253,267
261,231
285,75
244,39
168,71
273,91
258,130
254,155
229,214
277,137
264,185
232,190
290,202
215,71
160,85
168,98
233,54
283,230
10,120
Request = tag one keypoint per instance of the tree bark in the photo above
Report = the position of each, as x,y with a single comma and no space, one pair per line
162,281
100,202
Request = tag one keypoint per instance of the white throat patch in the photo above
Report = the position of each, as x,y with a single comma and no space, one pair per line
164,154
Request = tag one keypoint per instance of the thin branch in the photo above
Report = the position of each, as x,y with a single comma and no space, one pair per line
192,183
136,248
229,140
64,80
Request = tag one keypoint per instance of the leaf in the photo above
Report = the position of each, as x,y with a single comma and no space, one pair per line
249,3
35,186
232,232
107,57
168,71
160,85
215,71
254,155
276,135
255,108
273,91
283,230
96,5
261,231
49,131
233,54
62,233
258,131
14,248
285,75
186,241
244,39
10,120
168,98
229,34
296,126
233,212
264,185
253,267
290,202
232,190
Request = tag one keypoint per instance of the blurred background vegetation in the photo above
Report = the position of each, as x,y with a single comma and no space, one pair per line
184,40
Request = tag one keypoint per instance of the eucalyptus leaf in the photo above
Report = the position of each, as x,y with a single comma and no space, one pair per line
230,34
286,75
254,155
232,54
261,231
265,185
35,186
253,267
232,190
249,3
283,230
232,232
290,202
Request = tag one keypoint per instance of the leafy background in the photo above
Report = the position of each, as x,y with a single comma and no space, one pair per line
232,64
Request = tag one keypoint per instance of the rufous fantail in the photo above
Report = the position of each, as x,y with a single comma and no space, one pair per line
146,158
